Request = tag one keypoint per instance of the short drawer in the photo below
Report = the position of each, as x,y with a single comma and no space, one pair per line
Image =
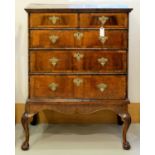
78,61
82,86
108,20
53,20
81,39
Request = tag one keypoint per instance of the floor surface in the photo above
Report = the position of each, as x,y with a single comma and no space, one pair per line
73,139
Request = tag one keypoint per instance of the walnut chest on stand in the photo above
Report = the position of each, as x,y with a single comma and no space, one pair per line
78,62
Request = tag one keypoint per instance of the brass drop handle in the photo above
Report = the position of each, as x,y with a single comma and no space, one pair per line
53,38
53,61
78,56
53,86
54,19
103,19
78,35
102,87
102,61
103,39
78,81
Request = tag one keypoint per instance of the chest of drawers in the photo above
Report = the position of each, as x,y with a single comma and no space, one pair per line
75,69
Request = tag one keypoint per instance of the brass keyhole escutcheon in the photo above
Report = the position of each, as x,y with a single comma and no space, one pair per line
54,61
102,87
78,35
78,81
53,38
102,61
78,56
53,86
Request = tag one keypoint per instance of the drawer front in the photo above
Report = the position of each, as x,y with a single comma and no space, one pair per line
108,20
72,38
97,87
53,20
78,61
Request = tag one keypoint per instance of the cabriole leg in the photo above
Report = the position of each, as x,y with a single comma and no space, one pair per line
25,124
126,118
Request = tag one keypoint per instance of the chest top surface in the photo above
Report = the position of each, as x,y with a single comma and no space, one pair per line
76,8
